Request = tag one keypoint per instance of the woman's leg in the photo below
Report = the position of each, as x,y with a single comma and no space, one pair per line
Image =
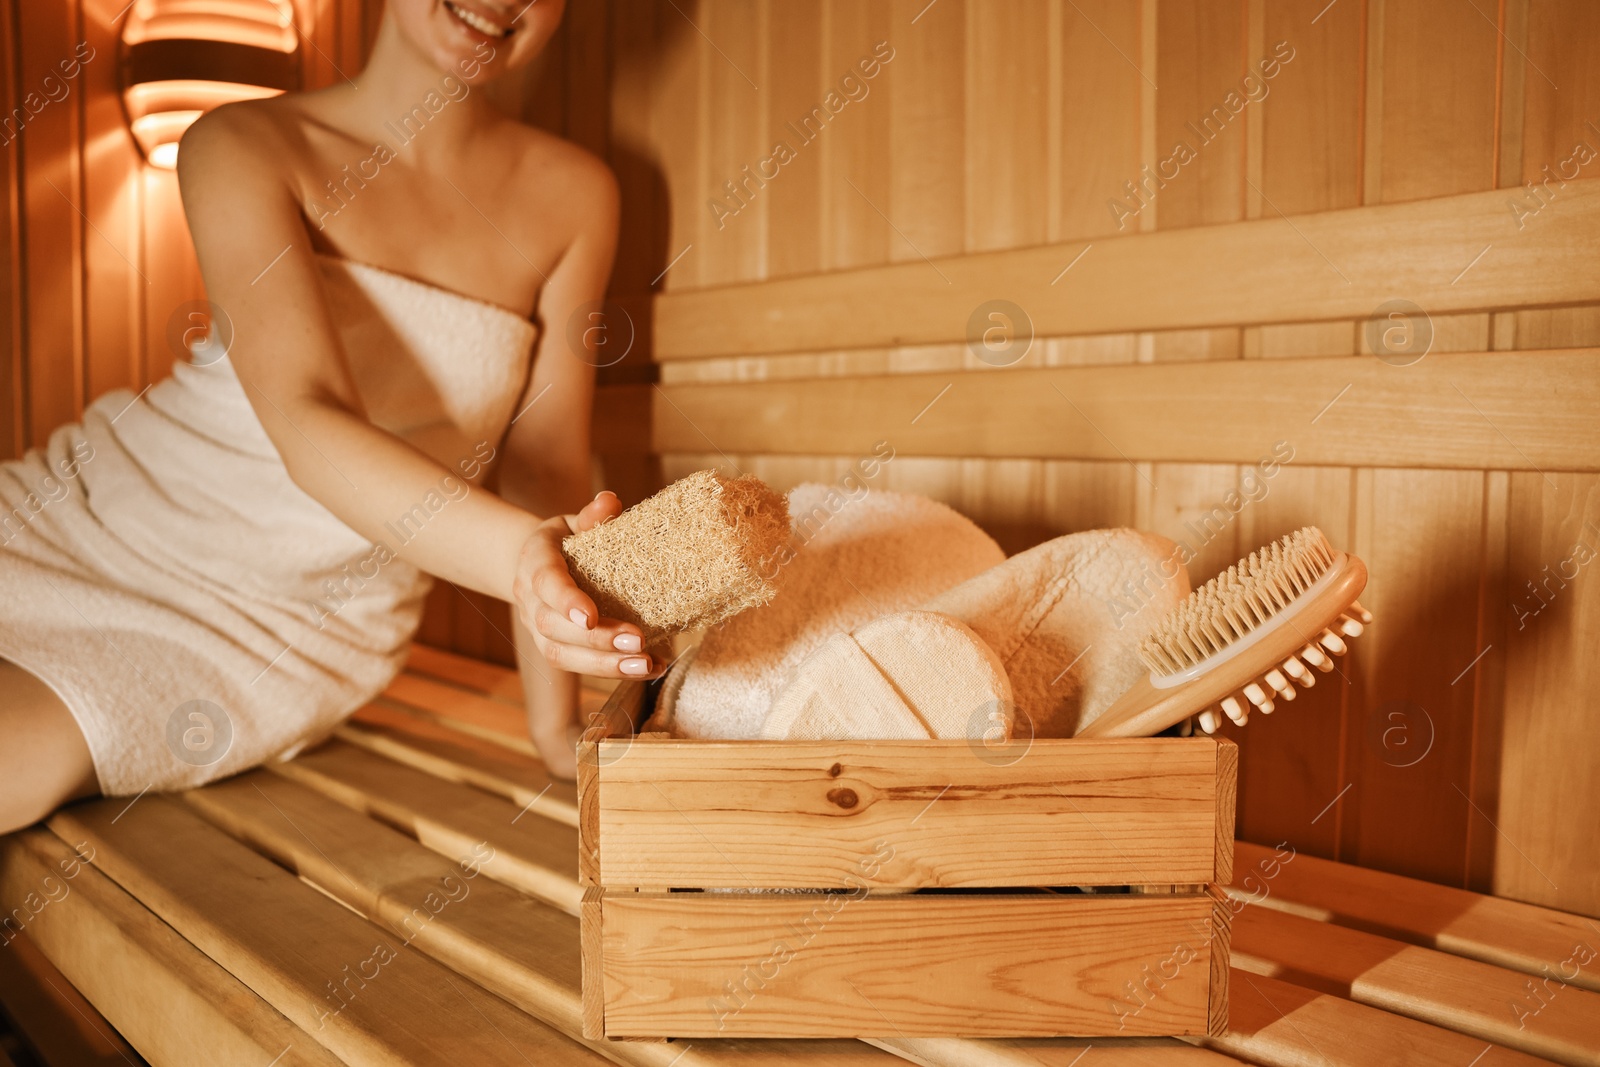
44,760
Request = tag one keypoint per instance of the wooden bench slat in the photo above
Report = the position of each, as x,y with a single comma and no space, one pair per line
1558,1023
1051,1052
342,980
484,716
1509,933
512,945
490,679
1447,411
1338,264
536,855
421,742
175,1005
1285,1025
51,1015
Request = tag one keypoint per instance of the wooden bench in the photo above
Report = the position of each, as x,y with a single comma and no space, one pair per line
407,893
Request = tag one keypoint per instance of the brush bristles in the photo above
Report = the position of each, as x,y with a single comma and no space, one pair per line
1244,597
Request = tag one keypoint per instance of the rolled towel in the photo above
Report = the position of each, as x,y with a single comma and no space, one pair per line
910,674
1066,618
692,555
851,560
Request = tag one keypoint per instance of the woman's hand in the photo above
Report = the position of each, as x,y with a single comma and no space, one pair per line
565,624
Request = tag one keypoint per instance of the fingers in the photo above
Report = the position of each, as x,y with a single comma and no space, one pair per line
549,581
604,506
608,635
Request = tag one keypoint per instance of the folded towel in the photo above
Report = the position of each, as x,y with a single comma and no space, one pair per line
1066,618
853,559
911,674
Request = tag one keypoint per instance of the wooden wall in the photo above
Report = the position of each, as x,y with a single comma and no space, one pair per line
1003,124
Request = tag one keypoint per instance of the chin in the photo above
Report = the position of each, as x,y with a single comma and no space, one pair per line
477,40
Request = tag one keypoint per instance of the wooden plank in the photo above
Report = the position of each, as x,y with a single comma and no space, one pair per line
1467,996
1507,933
461,758
165,996
1227,804
925,813
530,853
1542,852
974,964
594,997
1509,411
1331,265
1051,1052
490,679
52,1015
345,982
1276,1022
162,994
514,946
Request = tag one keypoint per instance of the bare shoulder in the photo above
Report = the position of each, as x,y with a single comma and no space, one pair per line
565,181
242,141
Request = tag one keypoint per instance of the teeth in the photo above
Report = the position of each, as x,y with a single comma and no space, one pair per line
1314,656
1209,720
1298,672
1349,627
1235,710
1257,696
1332,643
1280,684
1186,728
1360,612
476,21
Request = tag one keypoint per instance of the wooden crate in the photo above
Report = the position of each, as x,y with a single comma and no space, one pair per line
1001,942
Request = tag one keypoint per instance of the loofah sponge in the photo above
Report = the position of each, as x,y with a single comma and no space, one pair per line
699,551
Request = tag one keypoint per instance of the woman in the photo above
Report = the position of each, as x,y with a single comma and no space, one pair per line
219,570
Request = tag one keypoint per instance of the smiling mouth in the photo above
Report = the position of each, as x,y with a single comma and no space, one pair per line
474,21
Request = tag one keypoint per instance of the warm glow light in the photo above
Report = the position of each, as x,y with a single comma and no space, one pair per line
181,58
164,155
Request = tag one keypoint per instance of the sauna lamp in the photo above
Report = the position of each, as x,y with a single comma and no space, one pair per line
181,58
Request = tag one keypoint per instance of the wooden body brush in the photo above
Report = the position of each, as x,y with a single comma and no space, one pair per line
1244,638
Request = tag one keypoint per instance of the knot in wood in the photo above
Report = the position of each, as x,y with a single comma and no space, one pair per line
845,798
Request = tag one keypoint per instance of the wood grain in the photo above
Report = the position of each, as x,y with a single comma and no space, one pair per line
814,965
802,814
164,996
1514,411
1335,264
331,973
1503,932
1550,1020
449,818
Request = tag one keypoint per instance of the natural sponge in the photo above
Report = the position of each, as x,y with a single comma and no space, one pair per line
699,551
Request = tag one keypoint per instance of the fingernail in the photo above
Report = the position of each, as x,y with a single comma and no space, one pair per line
636,665
580,617
626,643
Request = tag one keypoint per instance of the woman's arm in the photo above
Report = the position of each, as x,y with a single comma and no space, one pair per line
545,463
256,259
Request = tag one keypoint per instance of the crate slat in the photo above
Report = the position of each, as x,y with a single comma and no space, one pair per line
796,814
831,964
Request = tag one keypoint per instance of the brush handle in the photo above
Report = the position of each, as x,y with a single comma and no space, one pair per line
1144,710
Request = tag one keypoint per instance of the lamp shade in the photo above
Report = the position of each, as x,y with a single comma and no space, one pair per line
181,58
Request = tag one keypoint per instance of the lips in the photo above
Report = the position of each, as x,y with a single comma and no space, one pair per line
478,22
